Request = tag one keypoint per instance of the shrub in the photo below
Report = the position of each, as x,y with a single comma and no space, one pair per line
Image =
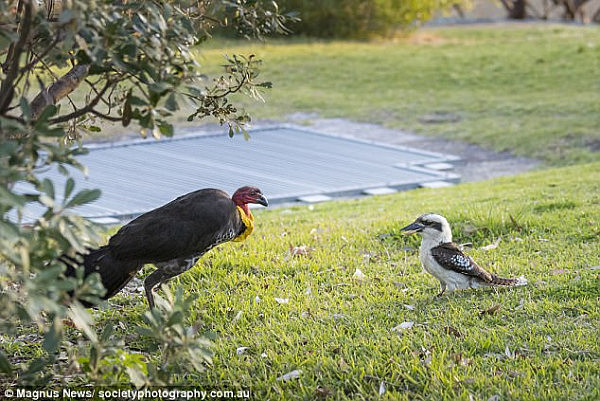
360,18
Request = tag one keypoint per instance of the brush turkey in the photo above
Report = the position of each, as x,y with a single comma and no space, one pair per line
172,237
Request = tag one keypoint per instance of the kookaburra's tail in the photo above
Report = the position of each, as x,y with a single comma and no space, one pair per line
508,281
114,274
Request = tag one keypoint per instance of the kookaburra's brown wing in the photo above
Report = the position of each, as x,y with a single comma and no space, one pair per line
449,256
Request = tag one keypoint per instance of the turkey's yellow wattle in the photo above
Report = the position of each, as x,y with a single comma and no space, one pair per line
248,221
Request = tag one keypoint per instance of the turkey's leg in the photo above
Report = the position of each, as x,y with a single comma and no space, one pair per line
166,271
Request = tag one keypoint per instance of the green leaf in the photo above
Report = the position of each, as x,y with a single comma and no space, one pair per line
48,188
4,363
48,112
82,319
11,199
93,128
166,129
171,103
52,339
84,196
69,186
107,333
25,108
137,377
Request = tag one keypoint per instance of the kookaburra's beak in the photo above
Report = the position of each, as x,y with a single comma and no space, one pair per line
412,228
261,200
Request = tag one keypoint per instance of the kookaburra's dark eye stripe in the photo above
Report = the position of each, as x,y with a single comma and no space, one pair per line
437,226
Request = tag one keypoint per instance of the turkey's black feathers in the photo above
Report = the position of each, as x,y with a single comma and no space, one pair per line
189,225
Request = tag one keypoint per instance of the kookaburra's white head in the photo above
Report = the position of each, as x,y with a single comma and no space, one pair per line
432,227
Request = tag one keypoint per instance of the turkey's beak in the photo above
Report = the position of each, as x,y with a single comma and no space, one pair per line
261,200
412,228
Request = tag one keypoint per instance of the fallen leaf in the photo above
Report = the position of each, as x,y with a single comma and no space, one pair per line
427,360
494,245
69,323
409,307
343,365
294,374
491,310
403,326
382,388
257,299
594,267
237,317
495,397
301,250
514,222
322,392
241,350
459,359
358,275
453,331
282,300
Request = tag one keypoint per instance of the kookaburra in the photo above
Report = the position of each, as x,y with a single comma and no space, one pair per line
443,259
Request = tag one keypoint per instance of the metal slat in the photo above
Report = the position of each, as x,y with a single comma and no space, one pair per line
285,162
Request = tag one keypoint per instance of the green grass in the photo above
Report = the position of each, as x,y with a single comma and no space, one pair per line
531,89
542,342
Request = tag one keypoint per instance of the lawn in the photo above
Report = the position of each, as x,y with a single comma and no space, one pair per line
289,294
532,89
288,299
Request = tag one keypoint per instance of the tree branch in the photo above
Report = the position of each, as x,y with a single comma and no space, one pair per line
59,89
38,58
88,108
506,5
106,116
11,67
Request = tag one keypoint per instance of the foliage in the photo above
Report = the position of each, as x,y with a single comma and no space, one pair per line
164,332
133,61
361,18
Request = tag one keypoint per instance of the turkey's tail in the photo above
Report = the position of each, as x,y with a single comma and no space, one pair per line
114,274
508,281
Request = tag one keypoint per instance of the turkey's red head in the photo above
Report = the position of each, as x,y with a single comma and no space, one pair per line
245,195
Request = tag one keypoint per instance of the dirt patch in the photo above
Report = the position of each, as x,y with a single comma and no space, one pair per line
426,38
